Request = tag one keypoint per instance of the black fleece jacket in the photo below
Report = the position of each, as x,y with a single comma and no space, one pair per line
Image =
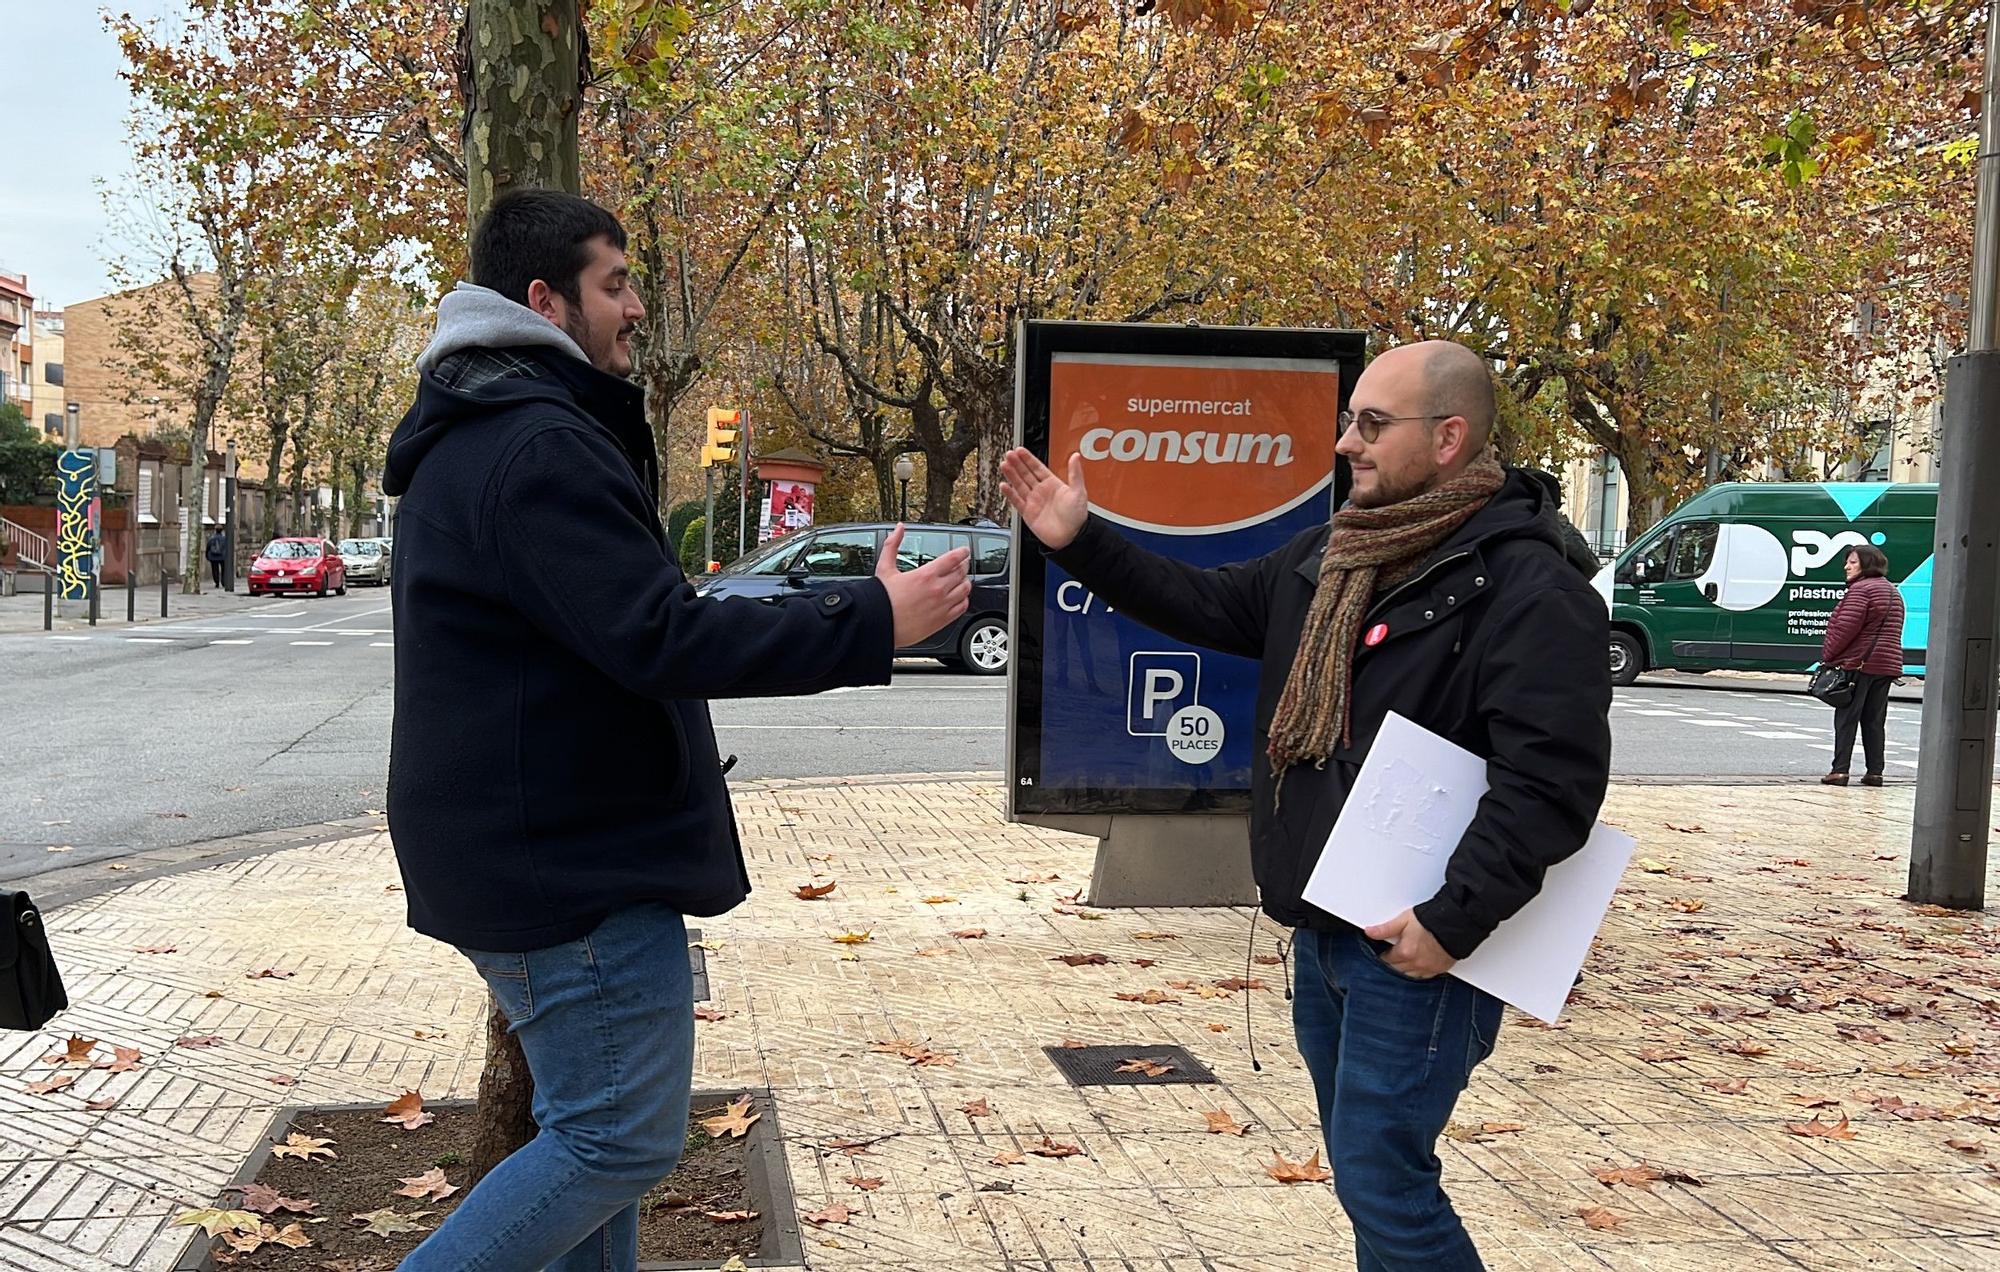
552,759
1496,642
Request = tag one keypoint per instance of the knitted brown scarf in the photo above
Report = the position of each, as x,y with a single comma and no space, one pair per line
1371,550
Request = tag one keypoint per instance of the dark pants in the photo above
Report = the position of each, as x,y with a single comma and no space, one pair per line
215,570
1868,711
1389,1056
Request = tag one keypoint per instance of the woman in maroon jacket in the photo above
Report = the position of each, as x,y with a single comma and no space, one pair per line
1865,635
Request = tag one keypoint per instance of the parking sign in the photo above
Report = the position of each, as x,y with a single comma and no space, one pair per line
1208,445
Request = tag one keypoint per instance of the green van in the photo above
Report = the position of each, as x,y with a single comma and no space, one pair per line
1745,574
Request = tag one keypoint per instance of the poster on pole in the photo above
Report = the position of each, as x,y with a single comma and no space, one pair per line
1211,445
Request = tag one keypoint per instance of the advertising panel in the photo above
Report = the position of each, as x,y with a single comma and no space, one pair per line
1209,445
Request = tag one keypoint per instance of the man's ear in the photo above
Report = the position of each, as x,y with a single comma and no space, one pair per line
543,299
1453,435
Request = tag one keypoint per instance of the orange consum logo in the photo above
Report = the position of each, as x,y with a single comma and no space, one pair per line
1195,445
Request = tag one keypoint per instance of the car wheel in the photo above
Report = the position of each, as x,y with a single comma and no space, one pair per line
1627,658
342,589
322,585
984,647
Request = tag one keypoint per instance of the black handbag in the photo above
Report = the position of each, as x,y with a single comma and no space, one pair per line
31,989
1833,685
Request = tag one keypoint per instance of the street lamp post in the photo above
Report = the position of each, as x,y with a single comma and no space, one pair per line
1952,821
906,468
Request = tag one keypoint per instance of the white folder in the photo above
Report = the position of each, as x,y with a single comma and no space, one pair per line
1410,805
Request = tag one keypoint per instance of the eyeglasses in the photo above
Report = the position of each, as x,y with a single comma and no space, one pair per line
1371,423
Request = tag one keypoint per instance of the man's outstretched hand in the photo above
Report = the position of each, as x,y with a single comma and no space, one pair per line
1053,508
926,598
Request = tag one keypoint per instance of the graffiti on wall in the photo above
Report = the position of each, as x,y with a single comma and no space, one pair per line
76,523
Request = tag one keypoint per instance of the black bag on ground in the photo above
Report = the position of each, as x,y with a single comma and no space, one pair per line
31,989
1833,685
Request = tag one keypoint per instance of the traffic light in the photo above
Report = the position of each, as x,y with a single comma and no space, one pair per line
722,432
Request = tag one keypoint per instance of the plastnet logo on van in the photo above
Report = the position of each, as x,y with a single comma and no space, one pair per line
1195,445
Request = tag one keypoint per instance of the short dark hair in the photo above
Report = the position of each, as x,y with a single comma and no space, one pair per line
528,234
1874,561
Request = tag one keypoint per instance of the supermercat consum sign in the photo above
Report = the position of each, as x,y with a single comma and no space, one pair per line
1208,445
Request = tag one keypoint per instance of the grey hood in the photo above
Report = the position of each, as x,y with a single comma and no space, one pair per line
474,317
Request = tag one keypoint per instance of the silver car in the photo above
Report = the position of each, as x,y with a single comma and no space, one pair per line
367,560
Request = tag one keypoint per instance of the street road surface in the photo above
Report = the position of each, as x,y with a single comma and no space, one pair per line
177,732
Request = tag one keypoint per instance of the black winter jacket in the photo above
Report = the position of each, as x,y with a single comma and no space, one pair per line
552,759
1496,643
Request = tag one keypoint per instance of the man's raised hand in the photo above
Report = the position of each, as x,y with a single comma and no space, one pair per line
1051,507
926,598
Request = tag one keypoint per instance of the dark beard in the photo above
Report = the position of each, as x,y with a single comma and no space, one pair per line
1386,494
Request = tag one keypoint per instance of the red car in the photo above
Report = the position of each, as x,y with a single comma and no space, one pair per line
298,565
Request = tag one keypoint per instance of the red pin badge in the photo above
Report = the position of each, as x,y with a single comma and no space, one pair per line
1376,635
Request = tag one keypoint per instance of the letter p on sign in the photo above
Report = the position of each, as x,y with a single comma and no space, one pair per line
1160,684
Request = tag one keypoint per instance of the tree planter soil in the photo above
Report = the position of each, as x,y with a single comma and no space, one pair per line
374,1157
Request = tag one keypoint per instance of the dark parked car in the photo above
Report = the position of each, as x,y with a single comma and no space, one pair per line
807,562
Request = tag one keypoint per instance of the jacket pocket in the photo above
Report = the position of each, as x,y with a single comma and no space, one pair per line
683,762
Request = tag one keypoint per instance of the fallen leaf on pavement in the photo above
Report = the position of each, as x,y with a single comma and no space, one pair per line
1650,866
75,1051
735,1121
1744,1047
426,1035
1305,1172
269,973
1215,1028
1966,1145
1816,1129
1220,1123
1687,905
1814,1101
970,934
866,1183
852,938
386,1223
1238,982
293,1237
1151,1068
196,1042
102,1104
124,1060
976,1108
1154,936
282,1079
304,1147
1152,997
1729,1086
1038,877
729,1216
1600,1219
215,1221
1268,960
156,949
938,900
1640,1176
1687,830
813,891
407,1111
1072,1044
1143,962
265,1200
1049,1148
429,1186
835,1213
712,944
711,1014
1008,1157
1660,1055
1082,960
916,1053
51,1085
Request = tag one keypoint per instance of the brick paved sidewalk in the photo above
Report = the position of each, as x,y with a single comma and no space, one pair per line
1757,954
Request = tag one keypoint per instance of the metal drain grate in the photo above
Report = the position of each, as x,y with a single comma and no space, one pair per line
1098,1066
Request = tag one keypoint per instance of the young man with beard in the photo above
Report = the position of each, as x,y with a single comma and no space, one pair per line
555,794
1441,591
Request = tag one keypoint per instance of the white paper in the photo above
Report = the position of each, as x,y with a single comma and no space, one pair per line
1410,805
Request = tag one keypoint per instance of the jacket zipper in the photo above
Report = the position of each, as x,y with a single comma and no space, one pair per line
1407,584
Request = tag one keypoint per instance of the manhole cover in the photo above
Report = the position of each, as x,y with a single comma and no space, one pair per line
1142,1065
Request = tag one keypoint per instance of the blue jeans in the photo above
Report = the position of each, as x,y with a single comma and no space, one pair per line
607,1026
1389,1056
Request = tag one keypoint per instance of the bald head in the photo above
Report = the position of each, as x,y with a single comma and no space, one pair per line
1458,382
